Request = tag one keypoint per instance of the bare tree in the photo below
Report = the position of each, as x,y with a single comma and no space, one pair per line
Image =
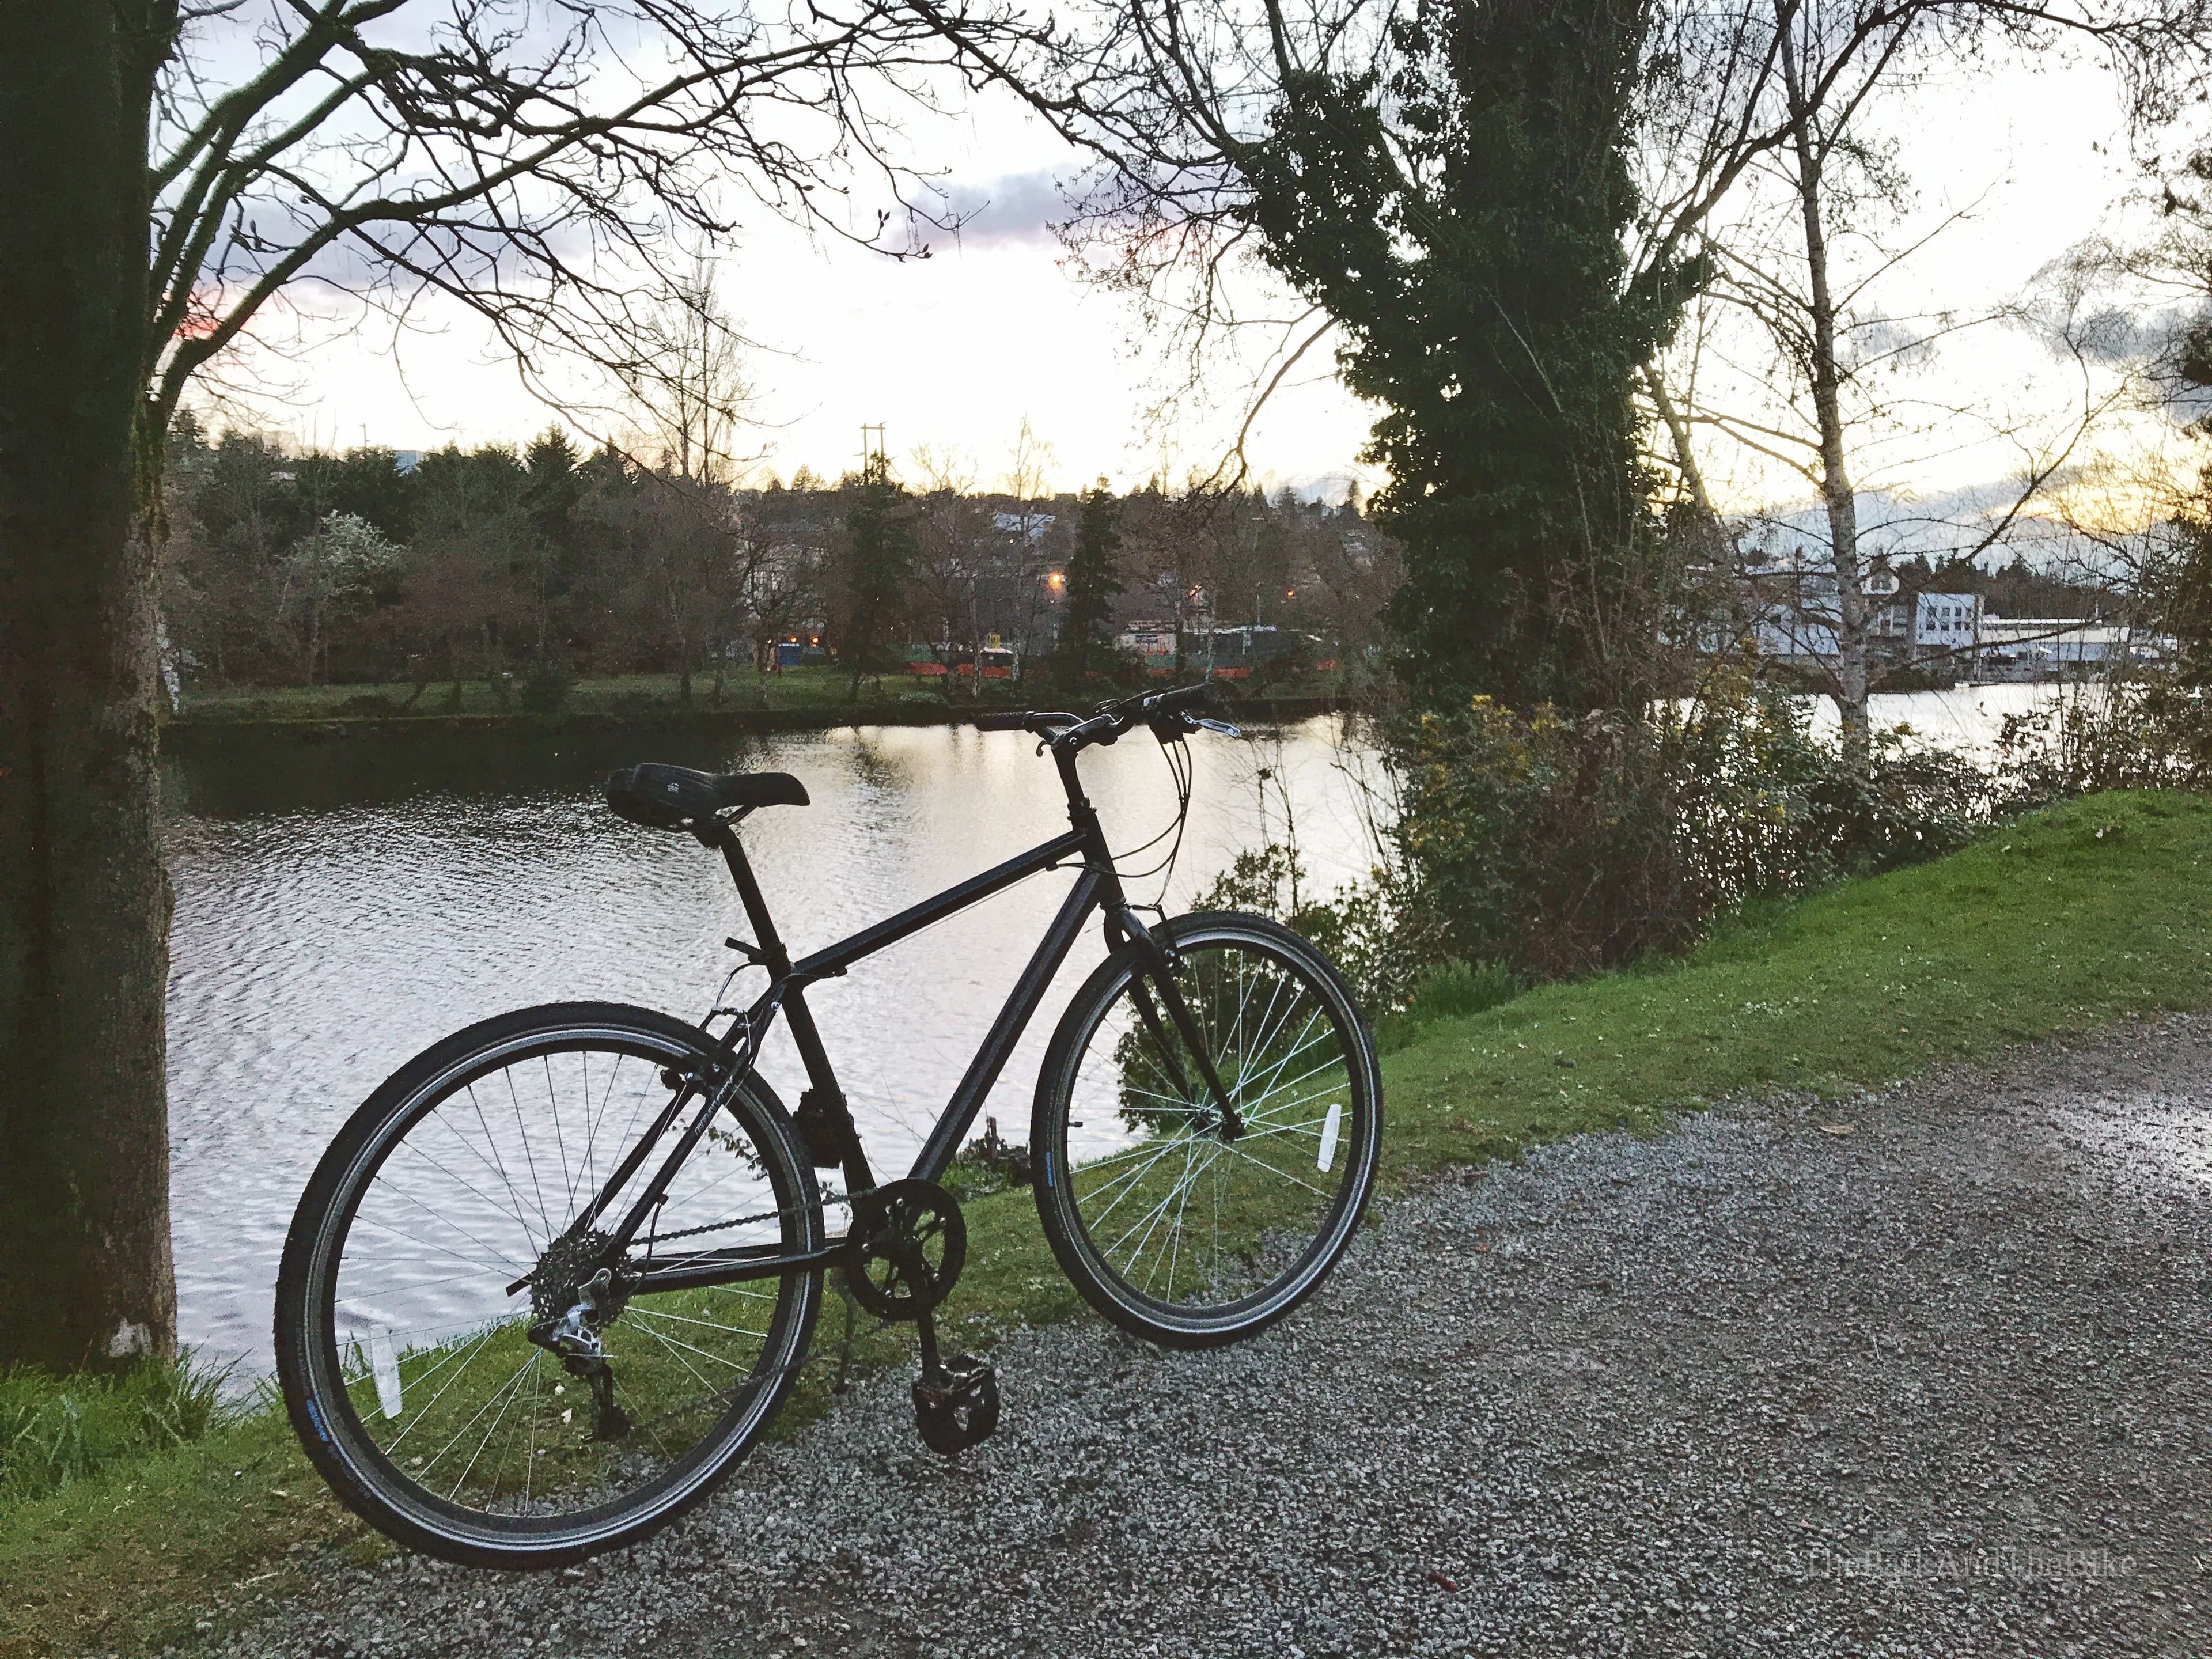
686,382
525,163
953,548
1812,235
693,402
1026,538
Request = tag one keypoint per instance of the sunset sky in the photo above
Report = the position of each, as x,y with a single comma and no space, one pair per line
957,351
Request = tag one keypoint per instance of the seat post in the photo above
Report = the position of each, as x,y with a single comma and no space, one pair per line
773,955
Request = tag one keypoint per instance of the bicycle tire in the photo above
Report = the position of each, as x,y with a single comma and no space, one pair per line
322,1400
1351,1124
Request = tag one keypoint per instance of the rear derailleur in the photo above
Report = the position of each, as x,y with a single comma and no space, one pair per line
908,1244
569,1309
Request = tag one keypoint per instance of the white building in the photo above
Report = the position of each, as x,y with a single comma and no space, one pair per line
1946,622
2047,648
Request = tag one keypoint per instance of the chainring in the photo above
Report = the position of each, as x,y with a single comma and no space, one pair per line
909,1243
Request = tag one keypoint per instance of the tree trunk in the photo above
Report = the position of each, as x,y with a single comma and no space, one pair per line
85,1271
1836,496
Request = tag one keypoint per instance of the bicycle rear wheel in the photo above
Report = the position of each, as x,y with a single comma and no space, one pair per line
1169,1228
442,1227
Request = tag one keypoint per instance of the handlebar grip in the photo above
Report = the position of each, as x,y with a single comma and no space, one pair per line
1003,720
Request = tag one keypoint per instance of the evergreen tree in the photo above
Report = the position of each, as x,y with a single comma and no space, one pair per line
550,494
877,563
1463,222
366,483
1086,644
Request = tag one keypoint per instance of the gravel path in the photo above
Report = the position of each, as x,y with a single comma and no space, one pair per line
1923,1374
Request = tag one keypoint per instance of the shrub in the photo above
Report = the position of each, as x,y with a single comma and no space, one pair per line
1381,942
545,688
1541,846
2149,733
1558,846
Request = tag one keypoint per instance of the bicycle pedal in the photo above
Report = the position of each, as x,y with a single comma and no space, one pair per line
956,1405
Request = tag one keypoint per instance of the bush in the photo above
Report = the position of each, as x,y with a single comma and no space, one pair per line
1380,942
1557,846
1905,804
2149,733
545,688
1539,846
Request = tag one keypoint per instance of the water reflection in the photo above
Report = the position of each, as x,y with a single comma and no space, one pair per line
340,908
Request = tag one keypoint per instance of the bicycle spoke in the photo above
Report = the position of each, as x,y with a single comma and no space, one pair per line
1179,1215
449,1262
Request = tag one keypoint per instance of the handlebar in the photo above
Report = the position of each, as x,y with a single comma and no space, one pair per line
1167,713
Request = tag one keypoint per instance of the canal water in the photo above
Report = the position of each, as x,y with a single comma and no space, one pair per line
340,908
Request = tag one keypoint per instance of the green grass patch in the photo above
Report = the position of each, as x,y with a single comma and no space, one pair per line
817,689
2069,920
640,694
57,1431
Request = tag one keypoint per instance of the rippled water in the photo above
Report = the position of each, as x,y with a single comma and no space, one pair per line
340,908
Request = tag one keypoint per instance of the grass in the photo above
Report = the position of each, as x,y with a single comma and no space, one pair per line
2069,920
797,688
56,1431
816,688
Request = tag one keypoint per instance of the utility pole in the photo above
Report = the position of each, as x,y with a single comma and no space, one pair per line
875,466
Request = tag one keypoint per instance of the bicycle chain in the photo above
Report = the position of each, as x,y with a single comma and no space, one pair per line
741,1221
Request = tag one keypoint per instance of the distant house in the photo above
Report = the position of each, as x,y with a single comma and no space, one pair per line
1947,622
1794,607
1032,524
1151,643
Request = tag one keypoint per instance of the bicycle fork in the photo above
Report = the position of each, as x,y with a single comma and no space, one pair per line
1159,966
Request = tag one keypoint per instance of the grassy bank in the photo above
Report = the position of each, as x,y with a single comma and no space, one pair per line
2092,912
818,692
793,689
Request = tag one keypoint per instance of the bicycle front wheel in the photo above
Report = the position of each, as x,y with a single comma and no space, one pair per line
1171,1227
464,1213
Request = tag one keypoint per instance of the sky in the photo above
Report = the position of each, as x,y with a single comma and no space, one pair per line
957,351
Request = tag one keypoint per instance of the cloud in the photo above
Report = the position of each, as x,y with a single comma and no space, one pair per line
1936,526
1020,207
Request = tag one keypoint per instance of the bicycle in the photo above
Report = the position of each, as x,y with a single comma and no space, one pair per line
510,1333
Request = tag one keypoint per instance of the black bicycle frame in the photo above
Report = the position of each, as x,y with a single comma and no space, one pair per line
1097,887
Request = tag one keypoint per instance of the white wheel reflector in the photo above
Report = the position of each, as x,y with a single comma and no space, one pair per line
384,1364
1328,1128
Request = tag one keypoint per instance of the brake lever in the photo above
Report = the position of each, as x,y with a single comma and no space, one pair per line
1220,728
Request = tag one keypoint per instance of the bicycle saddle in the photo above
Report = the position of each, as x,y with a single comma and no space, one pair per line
673,797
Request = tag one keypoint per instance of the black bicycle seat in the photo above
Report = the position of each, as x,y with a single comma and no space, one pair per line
674,797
